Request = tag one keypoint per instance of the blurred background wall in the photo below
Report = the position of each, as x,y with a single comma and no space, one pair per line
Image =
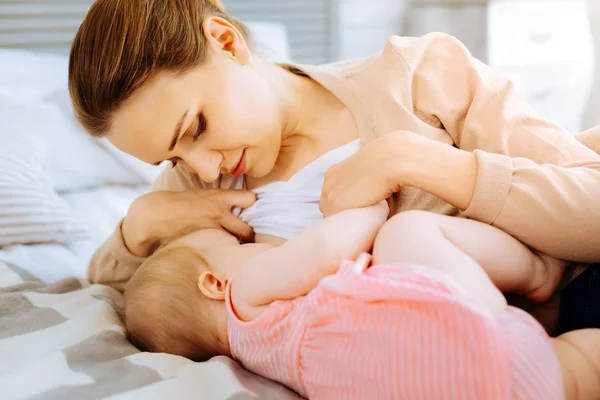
549,48
545,46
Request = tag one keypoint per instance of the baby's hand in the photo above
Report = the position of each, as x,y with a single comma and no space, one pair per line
547,276
384,207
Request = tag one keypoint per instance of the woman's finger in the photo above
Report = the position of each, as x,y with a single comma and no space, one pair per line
237,227
237,198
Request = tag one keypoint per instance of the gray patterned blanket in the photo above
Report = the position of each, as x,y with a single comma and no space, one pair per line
66,340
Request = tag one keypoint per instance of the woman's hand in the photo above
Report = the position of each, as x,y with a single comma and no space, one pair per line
365,178
384,165
157,217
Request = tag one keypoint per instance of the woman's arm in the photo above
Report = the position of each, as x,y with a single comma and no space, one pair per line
114,262
179,203
294,268
510,168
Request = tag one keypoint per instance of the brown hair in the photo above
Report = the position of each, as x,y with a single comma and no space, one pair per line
165,311
123,43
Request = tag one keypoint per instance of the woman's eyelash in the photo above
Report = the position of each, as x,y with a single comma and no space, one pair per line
201,127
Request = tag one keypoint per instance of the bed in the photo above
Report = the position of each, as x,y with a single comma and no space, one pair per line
61,195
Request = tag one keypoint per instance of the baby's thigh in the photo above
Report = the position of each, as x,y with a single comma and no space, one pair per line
417,237
402,223
579,356
410,227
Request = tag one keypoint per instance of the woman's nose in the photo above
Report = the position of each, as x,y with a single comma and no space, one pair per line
206,165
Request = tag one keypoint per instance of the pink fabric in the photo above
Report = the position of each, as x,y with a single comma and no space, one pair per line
397,332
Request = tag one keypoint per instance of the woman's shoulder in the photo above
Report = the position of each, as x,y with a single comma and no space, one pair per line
407,47
590,138
405,52
418,44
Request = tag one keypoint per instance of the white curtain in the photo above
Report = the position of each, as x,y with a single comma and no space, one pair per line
312,25
48,25
592,114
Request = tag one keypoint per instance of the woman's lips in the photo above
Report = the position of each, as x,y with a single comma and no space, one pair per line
240,168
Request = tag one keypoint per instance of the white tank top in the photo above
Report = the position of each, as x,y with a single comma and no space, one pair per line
284,209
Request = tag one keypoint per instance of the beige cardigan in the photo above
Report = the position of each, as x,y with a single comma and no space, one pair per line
535,180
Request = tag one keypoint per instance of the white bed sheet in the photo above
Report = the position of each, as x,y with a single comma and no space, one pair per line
100,209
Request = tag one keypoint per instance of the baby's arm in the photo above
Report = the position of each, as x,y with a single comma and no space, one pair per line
294,268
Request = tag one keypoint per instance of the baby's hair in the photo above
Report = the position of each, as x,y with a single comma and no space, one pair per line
121,44
164,309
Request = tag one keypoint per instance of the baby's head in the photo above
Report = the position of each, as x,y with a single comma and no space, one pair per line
165,310
175,303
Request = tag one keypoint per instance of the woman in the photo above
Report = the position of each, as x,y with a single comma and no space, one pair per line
439,131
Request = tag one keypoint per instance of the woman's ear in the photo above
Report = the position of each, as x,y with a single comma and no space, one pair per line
211,286
224,38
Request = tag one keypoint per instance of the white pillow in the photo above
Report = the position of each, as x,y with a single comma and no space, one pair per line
30,210
29,76
75,160
78,161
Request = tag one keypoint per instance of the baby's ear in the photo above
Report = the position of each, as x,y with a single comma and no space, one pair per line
211,286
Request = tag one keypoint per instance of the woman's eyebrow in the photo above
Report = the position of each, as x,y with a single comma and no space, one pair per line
177,134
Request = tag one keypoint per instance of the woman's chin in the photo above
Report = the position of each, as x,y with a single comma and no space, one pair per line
260,165
251,173
258,171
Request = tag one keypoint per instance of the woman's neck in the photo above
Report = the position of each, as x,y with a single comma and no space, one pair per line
313,121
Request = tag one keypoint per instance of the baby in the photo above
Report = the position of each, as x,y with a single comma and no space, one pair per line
425,319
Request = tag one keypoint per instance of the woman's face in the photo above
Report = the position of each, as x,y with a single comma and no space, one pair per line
220,118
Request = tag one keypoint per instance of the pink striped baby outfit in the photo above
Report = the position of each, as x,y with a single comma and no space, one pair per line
396,332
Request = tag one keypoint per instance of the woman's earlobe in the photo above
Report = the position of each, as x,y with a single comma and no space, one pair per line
211,286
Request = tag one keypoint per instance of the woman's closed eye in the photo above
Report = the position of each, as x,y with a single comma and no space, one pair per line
200,128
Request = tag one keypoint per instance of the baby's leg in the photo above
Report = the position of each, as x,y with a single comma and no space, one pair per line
462,248
579,356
